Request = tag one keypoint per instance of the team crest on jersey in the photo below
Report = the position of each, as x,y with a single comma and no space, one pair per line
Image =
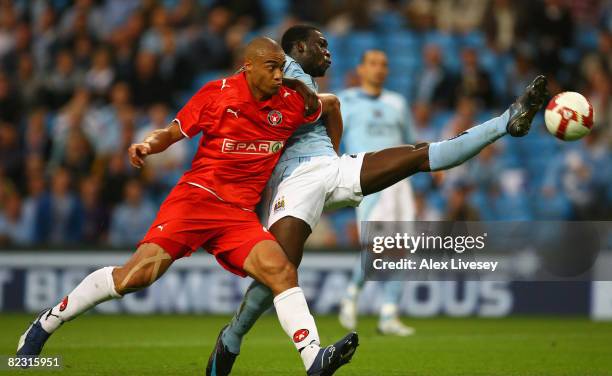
279,204
275,117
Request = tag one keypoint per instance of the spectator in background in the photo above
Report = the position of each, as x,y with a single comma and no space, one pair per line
95,214
101,75
470,11
162,172
151,40
508,199
131,218
435,83
36,139
58,215
584,174
208,49
146,85
8,22
173,66
30,83
250,10
83,18
22,42
500,24
62,82
459,209
45,39
9,101
13,229
116,175
521,73
551,204
36,187
474,81
423,211
101,124
552,27
11,153
463,119
70,118
78,155
83,50
421,117
484,171
599,94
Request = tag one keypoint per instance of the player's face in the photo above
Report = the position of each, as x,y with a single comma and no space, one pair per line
318,57
267,72
374,68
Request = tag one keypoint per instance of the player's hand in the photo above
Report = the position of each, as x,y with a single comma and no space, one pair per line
138,152
311,100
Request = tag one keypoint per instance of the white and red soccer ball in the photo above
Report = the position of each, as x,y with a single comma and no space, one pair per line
569,116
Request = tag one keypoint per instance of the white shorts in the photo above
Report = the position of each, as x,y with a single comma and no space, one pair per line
395,203
303,187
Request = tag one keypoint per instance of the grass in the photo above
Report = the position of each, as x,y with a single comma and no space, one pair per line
180,345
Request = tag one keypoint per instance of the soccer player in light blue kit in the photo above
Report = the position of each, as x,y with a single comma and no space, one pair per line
311,177
376,119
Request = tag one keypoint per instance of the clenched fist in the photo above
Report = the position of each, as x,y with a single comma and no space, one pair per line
138,152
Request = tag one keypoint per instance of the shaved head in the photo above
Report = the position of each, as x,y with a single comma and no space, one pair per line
261,47
264,60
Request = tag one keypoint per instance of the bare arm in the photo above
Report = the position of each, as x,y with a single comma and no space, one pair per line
156,142
332,118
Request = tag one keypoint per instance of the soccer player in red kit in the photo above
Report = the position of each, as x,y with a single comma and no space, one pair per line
245,120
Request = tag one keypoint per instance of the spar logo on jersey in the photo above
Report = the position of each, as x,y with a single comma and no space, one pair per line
251,147
275,117
300,335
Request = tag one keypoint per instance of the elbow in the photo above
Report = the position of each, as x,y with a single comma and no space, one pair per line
331,104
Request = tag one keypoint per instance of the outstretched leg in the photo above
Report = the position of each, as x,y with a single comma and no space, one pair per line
145,266
386,167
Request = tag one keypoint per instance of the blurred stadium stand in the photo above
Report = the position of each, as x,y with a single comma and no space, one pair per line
80,81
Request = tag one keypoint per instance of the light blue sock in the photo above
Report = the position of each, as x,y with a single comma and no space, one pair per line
357,281
453,152
256,301
392,293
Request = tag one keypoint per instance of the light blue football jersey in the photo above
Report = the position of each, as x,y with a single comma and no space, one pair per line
309,140
371,124
374,123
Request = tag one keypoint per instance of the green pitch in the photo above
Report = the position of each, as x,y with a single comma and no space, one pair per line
179,345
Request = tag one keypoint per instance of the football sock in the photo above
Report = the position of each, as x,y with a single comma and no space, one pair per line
453,152
256,301
96,288
392,293
298,323
358,277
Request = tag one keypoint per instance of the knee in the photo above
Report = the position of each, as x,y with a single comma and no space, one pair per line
280,272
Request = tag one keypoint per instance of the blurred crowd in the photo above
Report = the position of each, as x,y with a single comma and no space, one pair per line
81,80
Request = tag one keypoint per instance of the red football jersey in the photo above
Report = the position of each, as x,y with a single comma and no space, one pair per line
242,138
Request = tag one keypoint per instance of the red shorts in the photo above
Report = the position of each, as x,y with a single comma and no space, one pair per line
192,217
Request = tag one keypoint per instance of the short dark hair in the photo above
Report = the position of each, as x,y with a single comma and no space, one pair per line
297,33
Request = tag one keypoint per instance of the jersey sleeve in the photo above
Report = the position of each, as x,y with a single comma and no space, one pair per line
192,118
296,102
316,116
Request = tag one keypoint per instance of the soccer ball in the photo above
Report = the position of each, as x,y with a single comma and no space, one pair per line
569,116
